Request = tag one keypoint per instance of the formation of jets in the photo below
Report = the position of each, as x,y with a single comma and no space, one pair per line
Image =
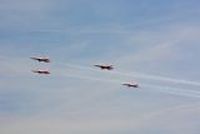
101,66
41,59
110,67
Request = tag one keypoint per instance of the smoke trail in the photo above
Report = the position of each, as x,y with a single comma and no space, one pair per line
140,75
174,91
86,77
165,89
161,78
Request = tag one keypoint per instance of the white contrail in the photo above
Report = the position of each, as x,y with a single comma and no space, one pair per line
87,77
161,78
174,91
140,75
169,90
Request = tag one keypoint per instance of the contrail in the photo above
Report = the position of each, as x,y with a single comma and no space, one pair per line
140,75
169,90
161,78
174,91
87,77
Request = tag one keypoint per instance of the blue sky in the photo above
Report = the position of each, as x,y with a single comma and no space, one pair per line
153,42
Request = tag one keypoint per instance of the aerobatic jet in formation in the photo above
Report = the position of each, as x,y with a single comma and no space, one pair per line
105,67
40,71
101,66
41,59
132,84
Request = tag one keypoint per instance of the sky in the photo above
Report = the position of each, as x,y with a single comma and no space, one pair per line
152,42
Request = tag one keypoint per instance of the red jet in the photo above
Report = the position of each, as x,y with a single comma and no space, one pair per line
41,59
134,85
105,67
39,71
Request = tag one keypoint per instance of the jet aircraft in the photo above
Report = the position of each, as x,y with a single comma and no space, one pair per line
39,71
105,67
133,85
41,59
